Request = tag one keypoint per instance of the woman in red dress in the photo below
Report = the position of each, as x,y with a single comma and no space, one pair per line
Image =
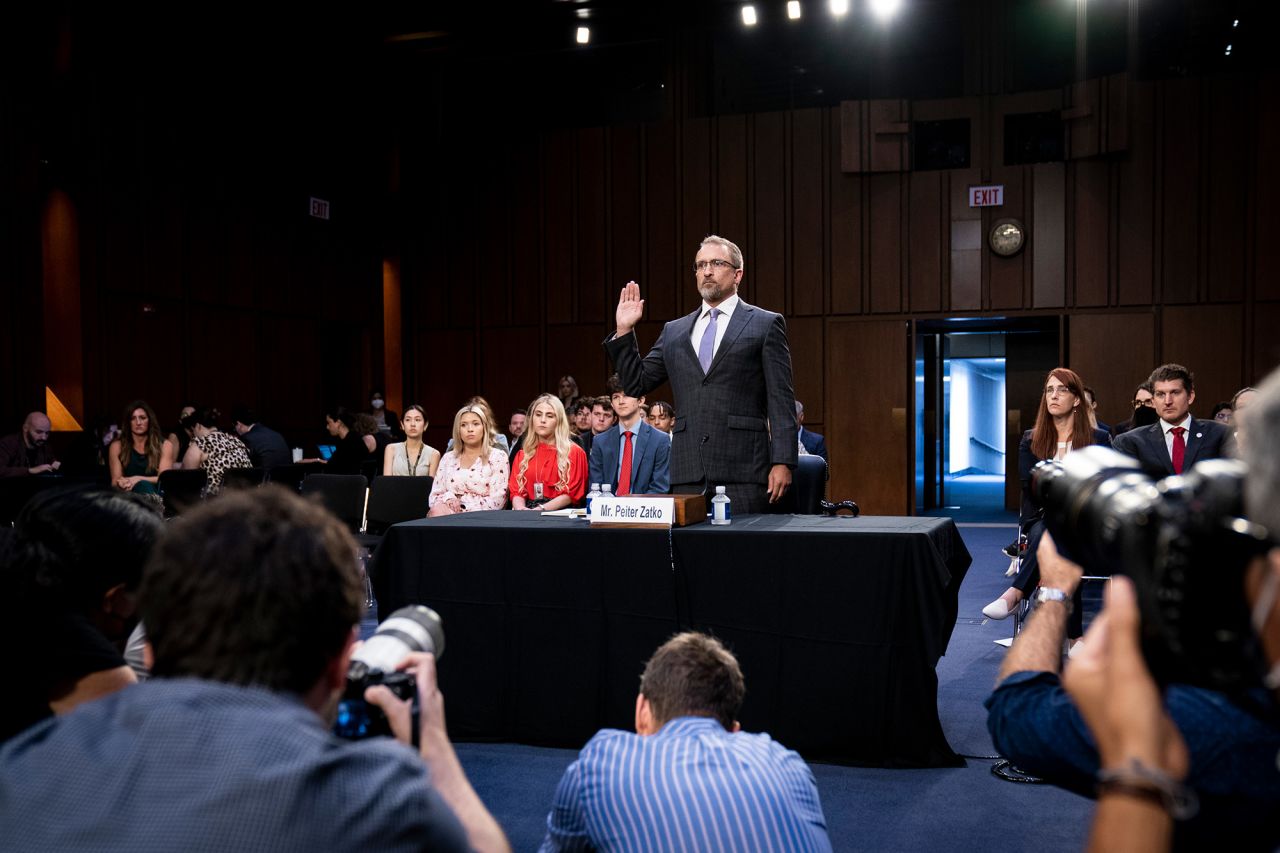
549,471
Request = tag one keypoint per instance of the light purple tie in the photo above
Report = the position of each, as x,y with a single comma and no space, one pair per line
707,348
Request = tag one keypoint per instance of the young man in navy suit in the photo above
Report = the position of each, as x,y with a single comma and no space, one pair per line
1177,441
649,456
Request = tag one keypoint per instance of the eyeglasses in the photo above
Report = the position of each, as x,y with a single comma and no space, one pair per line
715,264
1148,402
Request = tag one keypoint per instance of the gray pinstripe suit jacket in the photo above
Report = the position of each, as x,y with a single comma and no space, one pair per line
739,417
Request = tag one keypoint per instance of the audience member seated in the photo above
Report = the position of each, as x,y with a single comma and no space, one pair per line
632,457
72,568
1142,399
1178,441
384,419
140,455
28,452
1232,740
568,392
1240,401
811,443
352,449
252,605
662,416
515,430
267,448
180,438
1222,413
212,450
472,475
580,417
375,439
602,419
549,471
1062,425
1092,399
411,457
689,778
496,437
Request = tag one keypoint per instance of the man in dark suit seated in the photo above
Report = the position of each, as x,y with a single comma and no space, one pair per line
632,457
267,448
813,443
1177,441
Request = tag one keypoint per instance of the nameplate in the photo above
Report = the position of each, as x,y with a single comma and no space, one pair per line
634,511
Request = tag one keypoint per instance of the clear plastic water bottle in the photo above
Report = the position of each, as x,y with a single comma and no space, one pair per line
591,496
720,511
606,490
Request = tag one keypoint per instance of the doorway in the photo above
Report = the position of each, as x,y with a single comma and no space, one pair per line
970,377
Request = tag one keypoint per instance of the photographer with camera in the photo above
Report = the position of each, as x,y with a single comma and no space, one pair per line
252,604
1191,581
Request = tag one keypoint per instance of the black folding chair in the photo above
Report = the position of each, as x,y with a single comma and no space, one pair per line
291,476
342,494
243,478
391,501
181,489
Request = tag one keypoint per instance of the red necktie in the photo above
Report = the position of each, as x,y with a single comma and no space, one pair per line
624,472
1179,449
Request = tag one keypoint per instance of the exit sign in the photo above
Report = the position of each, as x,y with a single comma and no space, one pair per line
319,208
991,195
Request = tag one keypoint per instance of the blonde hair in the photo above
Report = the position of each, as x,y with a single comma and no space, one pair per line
486,442
563,443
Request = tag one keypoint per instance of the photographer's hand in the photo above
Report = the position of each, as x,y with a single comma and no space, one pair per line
447,775
1056,571
1120,702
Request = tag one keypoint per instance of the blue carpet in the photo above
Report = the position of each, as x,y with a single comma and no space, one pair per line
882,810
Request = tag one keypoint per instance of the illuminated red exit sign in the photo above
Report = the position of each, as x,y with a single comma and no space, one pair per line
988,196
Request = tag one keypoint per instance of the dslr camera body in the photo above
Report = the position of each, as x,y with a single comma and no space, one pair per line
410,629
1183,541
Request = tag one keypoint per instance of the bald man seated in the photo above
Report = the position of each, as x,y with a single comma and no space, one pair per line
28,452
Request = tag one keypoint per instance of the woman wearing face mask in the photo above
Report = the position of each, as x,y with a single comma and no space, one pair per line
549,471
472,475
411,457
384,417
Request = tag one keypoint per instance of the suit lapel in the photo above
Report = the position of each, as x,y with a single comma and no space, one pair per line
637,452
683,330
1195,440
737,322
1155,438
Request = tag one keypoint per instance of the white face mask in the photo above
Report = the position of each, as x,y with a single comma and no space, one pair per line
377,404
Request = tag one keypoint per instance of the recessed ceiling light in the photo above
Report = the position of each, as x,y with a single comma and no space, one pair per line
584,35
793,9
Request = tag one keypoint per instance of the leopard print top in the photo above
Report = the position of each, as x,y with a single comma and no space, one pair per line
221,451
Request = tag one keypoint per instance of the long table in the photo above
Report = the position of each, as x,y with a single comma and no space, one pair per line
838,623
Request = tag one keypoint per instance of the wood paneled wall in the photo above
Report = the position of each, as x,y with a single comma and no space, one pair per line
1158,251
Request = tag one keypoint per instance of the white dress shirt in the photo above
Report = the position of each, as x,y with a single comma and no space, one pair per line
722,322
1168,433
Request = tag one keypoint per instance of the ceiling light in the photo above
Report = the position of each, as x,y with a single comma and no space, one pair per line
584,35
839,7
793,9
883,9
749,15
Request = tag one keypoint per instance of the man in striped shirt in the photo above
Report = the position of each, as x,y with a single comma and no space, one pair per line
689,779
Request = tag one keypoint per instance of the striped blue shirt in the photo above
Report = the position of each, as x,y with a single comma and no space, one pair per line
690,786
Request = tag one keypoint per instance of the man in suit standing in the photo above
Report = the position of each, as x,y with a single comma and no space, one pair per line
632,457
813,443
1177,441
729,365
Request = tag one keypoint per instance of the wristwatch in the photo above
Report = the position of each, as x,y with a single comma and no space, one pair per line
1048,593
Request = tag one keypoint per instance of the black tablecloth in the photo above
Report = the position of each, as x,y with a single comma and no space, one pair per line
837,622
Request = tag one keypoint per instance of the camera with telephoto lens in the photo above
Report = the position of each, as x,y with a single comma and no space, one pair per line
1182,540
409,629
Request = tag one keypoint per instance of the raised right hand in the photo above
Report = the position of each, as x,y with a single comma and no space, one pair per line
630,308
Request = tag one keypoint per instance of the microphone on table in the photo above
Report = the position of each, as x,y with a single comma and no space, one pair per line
706,480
